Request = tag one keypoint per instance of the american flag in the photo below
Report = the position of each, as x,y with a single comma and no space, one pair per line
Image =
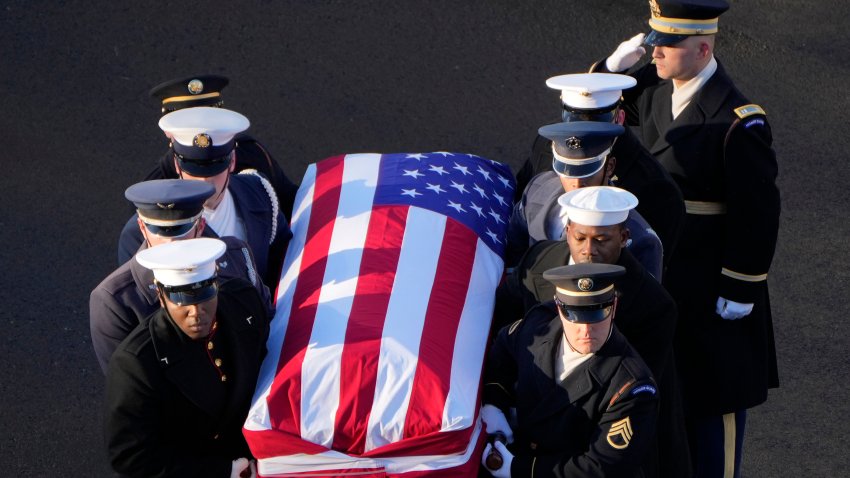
383,311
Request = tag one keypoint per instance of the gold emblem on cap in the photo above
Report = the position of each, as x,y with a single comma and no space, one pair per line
586,93
573,142
654,8
585,284
195,86
620,434
202,140
165,206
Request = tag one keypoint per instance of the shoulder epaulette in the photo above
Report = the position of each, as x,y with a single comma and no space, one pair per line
749,110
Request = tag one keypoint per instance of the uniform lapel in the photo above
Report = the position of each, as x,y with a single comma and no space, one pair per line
242,333
183,368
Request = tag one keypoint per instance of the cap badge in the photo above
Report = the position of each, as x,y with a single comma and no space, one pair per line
195,86
654,8
573,142
586,93
585,284
202,140
165,206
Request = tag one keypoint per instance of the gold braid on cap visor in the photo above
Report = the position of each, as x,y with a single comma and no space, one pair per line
575,293
683,26
175,99
168,223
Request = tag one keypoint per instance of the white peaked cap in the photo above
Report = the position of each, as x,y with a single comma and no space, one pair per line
598,205
220,124
589,91
183,262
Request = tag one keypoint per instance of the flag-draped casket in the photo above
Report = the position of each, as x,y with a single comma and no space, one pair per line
383,312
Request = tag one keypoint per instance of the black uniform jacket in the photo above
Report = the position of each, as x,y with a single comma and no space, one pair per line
599,422
717,156
637,171
167,410
128,295
646,315
255,207
250,154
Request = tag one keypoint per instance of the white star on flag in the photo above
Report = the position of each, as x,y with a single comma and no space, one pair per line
493,236
410,192
457,207
438,169
413,173
480,191
477,209
417,156
485,173
500,199
435,187
460,187
505,182
496,216
463,169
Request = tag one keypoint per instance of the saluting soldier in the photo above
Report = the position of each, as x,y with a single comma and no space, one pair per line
167,210
205,90
244,205
717,146
586,403
582,158
596,97
646,314
179,387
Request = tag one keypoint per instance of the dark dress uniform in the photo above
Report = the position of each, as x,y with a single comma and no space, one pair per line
718,151
250,154
599,422
646,316
128,295
528,224
636,171
257,210
175,407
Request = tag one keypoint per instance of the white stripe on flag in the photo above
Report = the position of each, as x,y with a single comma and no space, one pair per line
258,416
471,340
320,371
417,266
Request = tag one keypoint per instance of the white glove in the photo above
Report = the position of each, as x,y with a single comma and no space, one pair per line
505,470
627,54
495,421
730,310
240,465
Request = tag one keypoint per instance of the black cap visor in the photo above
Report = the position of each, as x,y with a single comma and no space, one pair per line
588,314
191,294
176,231
203,168
656,38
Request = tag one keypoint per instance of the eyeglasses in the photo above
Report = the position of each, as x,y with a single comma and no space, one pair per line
585,314
174,232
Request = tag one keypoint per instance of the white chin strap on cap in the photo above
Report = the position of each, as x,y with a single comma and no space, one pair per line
168,223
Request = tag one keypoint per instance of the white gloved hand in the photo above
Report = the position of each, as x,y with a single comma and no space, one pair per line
730,310
507,458
495,421
627,54
239,466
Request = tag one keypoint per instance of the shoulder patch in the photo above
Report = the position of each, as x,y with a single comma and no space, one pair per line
644,389
749,110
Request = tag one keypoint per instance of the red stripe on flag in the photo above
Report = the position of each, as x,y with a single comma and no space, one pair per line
361,353
285,394
436,348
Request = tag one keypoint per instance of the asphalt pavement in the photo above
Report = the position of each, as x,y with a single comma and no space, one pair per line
320,78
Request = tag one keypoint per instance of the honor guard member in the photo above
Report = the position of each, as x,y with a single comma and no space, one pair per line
168,210
586,404
717,146
244,205
205,90
179,387
581,153
596,97
646,313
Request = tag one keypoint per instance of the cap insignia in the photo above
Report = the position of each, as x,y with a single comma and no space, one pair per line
620,434
585,284
654,8
165,206
573,142
586,93
195,86
202,140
